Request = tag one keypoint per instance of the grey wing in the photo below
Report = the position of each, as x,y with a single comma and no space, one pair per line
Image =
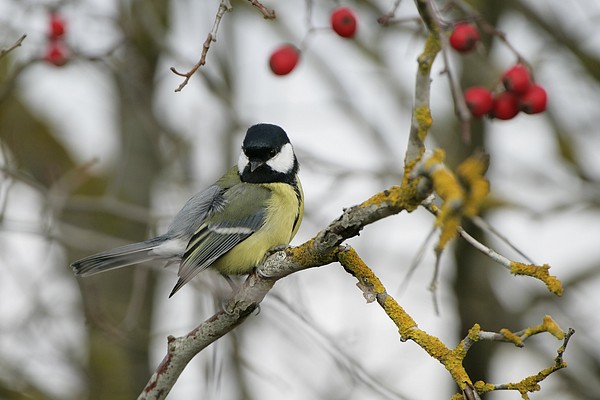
194,212
212,241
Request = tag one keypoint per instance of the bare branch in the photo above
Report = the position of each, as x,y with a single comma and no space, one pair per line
267,14
460,106
18,43
388,18
212,37
540,272
483,224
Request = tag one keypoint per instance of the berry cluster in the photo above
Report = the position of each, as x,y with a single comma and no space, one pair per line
519,92
285,58
56,51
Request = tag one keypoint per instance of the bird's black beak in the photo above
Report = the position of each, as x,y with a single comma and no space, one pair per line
255,164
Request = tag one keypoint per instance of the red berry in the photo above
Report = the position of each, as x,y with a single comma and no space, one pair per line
343,22
506,106
284,59
534,100
517,79
56,54
479,100
57,26
464,37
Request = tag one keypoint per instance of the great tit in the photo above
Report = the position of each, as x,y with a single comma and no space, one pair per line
257,205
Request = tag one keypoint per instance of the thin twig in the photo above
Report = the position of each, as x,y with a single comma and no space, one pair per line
388,18
460,106
212,37
433,286
416,261
531,383
267,14
500,259
18,43
483,224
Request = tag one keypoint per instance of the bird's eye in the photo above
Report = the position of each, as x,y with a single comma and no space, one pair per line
272,153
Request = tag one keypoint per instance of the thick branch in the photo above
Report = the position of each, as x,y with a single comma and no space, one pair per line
421,118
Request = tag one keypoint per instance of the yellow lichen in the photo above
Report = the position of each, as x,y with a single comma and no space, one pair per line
307,256
483,387
430,51
431,344
531,383
447,187
437,158
424,121
474,333
552,328
407,327
511,337
350,259
454,364
547,325
471,173
400,317
400,197
539,272
408,168
449,232
445,184
391,195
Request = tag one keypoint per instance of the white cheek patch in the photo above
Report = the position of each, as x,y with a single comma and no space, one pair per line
284,160
242,162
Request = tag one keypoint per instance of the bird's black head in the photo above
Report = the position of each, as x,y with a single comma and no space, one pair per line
267,156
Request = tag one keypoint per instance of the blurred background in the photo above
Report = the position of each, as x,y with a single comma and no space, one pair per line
101,151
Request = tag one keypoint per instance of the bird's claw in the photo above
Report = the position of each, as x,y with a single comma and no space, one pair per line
275,249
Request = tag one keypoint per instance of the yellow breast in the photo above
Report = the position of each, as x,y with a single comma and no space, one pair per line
284,214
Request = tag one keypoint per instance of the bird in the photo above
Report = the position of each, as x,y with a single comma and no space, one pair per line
230,226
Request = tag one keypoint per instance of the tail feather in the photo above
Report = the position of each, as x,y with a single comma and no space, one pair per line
118,257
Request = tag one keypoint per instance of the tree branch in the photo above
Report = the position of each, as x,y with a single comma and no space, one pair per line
18,43
461,193
319,251
267,14
421,117
452,359
212,37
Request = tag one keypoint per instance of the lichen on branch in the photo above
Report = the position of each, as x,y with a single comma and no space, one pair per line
539,272
452,359
462,193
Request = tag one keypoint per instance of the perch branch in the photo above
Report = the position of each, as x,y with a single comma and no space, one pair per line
319,251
